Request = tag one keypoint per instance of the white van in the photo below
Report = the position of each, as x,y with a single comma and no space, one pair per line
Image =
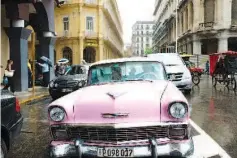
176,69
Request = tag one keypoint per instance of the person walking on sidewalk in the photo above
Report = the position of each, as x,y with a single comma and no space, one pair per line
45,71
9,73
29,74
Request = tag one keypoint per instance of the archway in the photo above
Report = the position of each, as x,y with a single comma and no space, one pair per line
89,54
67,53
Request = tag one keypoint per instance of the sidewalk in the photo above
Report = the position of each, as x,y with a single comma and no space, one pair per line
30,96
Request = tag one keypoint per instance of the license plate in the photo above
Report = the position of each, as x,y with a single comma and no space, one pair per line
66,90
115,152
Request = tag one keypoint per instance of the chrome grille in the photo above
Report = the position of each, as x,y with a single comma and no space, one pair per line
115,135
178,76
67,84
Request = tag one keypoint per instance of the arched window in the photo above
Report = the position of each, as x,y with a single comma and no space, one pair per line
209,11
67,53
234,12
89,54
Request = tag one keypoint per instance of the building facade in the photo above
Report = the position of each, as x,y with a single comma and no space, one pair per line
128,50
203,26
142,37
19,19
89,30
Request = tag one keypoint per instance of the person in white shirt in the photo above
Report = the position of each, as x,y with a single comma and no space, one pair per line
45,71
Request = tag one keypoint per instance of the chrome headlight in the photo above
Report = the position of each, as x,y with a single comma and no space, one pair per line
178,110
56,114
51,84
80,84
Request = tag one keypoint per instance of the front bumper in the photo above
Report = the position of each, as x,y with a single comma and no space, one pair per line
58,92
184,84
153,149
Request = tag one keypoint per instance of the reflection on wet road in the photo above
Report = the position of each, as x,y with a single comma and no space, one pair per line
213,110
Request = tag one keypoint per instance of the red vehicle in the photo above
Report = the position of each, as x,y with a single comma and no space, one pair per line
193,69
223,67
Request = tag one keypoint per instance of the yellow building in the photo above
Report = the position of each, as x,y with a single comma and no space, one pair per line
89,30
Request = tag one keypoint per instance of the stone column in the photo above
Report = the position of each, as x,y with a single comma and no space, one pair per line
223,44
47,49
197,47
81,49
18,44
100,53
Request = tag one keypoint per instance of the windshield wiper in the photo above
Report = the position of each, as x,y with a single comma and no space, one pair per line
140,79
171,65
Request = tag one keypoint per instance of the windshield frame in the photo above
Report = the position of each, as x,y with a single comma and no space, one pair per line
91,67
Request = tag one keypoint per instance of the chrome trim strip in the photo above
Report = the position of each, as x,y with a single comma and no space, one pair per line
124,125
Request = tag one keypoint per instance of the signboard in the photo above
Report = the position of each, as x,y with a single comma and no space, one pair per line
92,43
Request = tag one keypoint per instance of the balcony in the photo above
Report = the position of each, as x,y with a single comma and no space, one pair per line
64,34
90,2
206,26
90,34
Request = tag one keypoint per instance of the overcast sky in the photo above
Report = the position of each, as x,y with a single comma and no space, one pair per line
132,11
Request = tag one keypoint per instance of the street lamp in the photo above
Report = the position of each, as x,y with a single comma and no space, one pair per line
176,28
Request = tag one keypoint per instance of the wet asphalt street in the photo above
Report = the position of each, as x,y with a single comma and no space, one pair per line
214,110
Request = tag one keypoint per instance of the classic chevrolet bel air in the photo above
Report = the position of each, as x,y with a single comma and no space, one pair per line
127,109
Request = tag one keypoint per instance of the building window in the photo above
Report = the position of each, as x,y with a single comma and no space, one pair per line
141,26
234,12
209,11
137,32
66,23
89,23
137,39
142,45
147,39
147,27
147,45
142,32
147,32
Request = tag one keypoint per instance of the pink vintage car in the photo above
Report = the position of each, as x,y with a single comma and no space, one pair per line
127,109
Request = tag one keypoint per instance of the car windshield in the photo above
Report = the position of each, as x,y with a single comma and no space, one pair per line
168,59
76,70
126,71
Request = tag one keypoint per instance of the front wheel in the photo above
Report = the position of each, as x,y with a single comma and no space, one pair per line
3,149
196,79
232,84
214,81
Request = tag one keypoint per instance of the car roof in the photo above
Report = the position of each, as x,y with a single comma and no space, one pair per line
124,60
167,54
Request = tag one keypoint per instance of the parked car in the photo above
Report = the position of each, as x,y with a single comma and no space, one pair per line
73,79
176,69
11,121
127,109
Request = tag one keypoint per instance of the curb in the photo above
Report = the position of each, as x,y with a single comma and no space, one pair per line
33,99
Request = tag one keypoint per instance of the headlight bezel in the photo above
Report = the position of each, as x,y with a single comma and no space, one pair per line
59,107
183,104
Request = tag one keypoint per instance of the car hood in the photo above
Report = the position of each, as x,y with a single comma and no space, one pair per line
140,101
175,69
71,77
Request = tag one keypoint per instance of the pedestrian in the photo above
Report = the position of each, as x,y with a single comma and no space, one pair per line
45,72
29,74
207,67
8,75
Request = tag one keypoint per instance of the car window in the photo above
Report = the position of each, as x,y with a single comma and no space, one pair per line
76,70
126,71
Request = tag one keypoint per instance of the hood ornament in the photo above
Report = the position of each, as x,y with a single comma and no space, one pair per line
114,115
115,95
